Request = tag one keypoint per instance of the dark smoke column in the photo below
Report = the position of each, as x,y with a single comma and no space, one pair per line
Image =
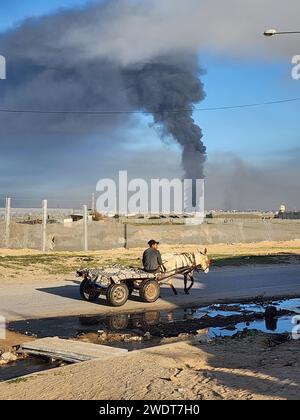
172,84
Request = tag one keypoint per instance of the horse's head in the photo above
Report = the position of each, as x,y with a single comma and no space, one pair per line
202,260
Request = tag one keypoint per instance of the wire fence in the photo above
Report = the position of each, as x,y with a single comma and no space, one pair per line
30,206
75,229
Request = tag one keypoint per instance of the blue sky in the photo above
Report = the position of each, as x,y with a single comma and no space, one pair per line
13,11
255,132
255,135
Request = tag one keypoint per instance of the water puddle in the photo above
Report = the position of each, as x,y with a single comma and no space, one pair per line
143,330
280,326
25,367
274,324
139,330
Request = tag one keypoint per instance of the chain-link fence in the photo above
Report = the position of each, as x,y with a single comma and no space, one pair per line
75,230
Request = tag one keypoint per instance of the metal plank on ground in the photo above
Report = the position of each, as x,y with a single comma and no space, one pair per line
70,351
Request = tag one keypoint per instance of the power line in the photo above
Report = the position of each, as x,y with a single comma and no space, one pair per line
167,111
282,101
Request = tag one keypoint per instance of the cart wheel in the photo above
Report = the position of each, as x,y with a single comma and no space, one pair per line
152,318
88,291
117,294
118,322
150,291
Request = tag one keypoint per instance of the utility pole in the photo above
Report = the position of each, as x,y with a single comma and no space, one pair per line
93,203
126,235
44,226
7,221
85,228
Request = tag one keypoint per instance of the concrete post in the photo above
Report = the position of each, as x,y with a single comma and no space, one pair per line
93,203
7,221
126,235
85,229
44,225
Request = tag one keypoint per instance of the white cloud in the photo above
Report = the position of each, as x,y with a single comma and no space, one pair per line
133,31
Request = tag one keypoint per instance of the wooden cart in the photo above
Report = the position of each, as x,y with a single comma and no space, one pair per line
117,284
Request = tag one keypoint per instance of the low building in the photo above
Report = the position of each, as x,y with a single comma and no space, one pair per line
234,215
288,215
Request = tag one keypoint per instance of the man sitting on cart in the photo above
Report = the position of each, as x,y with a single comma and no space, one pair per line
152,260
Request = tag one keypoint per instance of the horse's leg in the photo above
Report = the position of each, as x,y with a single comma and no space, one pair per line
191,277
185,284
192,282
172,287
174,290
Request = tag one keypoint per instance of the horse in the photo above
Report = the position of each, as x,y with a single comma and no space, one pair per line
181,263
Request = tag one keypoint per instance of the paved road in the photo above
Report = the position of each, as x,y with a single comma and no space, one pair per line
61,298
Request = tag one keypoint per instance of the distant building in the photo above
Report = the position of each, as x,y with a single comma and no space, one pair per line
234,215
288,215
282,208
74,218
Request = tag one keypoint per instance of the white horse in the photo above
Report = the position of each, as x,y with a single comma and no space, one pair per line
182,263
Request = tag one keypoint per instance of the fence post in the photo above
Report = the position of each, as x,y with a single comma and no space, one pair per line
126,235
93,203
44,225
85,229
7,221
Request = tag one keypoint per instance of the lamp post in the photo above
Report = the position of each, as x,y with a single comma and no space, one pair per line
273,32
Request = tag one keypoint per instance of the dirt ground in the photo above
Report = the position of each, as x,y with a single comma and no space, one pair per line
21,266
249,368
13,339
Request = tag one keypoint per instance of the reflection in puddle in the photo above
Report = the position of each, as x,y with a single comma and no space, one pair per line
143,330
222,320
280,326
272,322
25,367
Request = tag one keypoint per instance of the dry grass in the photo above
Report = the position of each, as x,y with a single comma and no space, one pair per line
30,263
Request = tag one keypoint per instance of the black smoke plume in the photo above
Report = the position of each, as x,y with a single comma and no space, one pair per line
71,61
168,89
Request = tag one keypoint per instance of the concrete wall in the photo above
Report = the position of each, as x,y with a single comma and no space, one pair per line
111,234
65,238
217,232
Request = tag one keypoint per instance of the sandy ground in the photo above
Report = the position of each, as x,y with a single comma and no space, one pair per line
26,265
230,369
225,249
252,368
13,339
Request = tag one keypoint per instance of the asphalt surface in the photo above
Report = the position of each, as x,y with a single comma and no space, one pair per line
61,298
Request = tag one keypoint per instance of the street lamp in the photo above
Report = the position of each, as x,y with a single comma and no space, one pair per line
273,32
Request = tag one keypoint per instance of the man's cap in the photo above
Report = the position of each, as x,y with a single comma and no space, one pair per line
153,242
